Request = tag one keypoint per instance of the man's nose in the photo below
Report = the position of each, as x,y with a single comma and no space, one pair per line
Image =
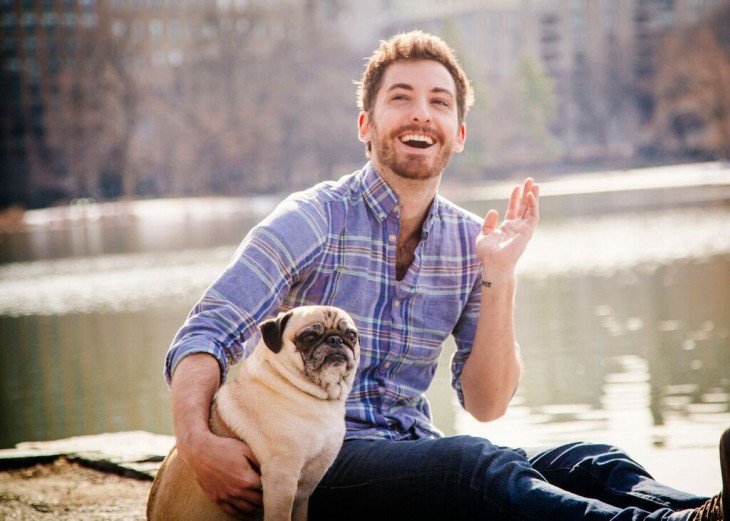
421,111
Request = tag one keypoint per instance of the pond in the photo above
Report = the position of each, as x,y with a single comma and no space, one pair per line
623,321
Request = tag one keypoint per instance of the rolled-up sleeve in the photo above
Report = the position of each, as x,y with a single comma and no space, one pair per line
271,258
464,335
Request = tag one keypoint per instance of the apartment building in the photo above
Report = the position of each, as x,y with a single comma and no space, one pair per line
598,55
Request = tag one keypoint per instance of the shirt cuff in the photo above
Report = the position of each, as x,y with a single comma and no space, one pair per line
175,356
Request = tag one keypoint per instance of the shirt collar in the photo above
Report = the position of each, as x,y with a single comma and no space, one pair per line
377,194
383,200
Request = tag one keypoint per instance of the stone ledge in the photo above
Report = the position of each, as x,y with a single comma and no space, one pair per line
135,454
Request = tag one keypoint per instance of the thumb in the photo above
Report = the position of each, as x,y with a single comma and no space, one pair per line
490,222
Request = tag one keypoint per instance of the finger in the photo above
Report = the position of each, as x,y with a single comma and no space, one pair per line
490,222
530,207
248,453
252,515
254,497
513,207
534,203
234,510
248,502
526,190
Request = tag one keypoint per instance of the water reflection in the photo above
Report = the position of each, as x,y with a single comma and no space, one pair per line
664,331
622,331
74,374
133,227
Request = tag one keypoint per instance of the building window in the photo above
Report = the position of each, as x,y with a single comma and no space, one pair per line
173,31
119,28
8,20
156,30
49,18
28,19
10,44
30,44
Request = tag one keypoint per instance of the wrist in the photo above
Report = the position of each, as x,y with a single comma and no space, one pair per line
492,277
191,443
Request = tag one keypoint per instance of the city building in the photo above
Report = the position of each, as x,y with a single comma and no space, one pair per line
59,58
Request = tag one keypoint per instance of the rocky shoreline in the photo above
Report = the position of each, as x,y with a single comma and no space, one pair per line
97,477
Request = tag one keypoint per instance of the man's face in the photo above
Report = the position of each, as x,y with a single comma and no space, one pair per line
413,127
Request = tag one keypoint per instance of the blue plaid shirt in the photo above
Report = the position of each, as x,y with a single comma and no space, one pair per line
335,244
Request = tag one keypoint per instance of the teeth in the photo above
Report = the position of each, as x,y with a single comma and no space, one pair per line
417,137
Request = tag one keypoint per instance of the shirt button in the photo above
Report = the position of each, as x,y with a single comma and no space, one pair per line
392,238
382,215
387,365
396,304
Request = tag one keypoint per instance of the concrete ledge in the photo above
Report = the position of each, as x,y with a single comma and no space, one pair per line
135,454
640,189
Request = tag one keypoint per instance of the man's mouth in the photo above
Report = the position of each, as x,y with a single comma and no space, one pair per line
416,140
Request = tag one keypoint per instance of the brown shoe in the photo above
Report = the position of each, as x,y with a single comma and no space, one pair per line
714,508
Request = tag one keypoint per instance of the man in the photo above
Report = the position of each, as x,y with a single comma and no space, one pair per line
411,268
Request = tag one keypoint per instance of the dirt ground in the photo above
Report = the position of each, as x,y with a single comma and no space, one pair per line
65,490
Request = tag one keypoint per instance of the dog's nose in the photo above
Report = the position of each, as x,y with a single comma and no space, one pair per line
334,340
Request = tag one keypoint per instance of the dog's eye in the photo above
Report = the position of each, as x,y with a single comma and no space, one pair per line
307,338
351,335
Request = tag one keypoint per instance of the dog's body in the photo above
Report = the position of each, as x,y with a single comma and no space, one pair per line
288,404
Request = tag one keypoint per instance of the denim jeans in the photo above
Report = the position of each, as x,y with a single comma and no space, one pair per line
464,477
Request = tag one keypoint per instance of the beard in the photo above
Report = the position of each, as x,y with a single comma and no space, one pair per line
410,166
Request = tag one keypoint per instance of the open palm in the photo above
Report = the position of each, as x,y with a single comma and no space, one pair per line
500,247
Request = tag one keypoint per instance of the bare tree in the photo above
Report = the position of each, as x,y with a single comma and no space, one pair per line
254,105
519,119
692,91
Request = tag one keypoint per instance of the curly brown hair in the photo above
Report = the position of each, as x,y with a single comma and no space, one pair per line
413,45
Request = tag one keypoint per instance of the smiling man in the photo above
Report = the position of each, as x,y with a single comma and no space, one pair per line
425,133
412,269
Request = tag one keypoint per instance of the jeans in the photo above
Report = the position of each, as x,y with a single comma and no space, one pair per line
464,477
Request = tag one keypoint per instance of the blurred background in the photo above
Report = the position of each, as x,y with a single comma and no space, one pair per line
142,138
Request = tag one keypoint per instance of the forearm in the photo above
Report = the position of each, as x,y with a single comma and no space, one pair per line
221,466
194,384
492,371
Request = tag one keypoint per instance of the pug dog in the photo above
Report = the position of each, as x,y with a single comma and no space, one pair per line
288,404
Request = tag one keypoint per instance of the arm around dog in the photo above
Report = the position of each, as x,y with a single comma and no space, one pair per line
222,466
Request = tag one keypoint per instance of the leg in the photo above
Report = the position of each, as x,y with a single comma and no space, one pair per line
608,474
451,478
280,488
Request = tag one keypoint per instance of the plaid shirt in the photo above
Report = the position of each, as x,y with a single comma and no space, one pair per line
335,244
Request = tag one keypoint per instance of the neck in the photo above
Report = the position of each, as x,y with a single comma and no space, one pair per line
268,368
414,197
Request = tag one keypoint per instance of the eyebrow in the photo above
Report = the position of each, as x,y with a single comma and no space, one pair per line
407,86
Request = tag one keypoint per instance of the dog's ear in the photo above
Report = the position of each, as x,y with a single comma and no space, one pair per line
273,329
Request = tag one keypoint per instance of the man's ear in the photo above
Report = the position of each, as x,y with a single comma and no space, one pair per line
363,127
273,329
460,138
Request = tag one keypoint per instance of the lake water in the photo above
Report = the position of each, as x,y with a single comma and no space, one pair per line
623,320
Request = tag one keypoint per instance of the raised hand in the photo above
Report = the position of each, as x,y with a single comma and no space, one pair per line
500,247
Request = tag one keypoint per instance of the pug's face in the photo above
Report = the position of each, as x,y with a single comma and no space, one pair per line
319,341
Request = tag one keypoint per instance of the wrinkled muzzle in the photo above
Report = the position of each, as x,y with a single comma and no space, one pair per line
332,351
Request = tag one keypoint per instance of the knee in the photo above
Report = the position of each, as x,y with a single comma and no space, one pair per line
607,460
602,453
480,464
